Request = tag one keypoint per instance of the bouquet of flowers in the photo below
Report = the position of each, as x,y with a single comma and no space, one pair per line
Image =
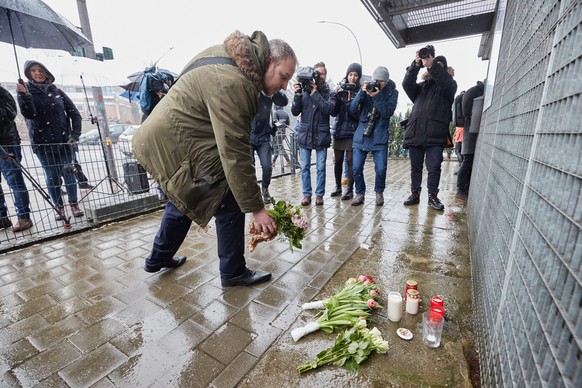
291,225
354,302
351,348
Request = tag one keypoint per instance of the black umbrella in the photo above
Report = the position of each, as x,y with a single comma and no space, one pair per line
33,24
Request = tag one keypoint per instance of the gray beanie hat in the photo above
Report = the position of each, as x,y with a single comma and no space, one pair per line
381,74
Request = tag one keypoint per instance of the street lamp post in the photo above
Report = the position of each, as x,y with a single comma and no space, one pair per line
351,32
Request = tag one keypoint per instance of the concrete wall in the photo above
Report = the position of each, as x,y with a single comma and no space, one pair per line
525,203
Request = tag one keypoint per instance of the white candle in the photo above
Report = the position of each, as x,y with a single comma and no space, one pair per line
412,302
394,306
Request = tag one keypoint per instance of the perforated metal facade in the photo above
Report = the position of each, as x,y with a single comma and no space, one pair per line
525,207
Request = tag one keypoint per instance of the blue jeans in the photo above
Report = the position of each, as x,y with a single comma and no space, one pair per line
321,158
53,160
434,158
380,158
13,175
230,236
264,154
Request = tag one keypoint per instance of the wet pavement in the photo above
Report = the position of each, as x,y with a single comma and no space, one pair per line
80,310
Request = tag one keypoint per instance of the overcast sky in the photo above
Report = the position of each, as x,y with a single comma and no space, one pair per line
142,31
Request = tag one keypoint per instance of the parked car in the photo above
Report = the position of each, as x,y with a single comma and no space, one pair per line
92,136
127,135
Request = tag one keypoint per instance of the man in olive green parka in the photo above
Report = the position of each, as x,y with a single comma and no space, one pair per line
195,144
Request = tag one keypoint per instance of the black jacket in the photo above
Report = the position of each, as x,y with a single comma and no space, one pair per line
52,118
470,139
428,124
8,131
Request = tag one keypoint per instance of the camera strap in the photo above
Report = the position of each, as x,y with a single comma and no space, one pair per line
208,61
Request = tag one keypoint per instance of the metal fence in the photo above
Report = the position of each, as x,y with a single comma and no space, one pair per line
119,188
525,207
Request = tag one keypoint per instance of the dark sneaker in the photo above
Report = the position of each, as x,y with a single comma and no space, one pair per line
248,278
174,262
379,199
413,199
85,185
435,202
22,224
5,223
358,200
349,194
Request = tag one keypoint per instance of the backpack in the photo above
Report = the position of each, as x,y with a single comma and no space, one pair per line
458,118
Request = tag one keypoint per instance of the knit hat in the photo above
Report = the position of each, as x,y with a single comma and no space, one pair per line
442,60
381,74
28,64
355,67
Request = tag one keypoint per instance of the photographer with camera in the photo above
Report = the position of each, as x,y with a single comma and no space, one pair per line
54,126
261,130
316,103
427,129
373,105
344,128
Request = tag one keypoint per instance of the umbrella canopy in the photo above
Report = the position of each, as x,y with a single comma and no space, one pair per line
131,96
33,24
136,78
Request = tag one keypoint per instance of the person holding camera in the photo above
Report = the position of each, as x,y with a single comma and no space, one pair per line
316,103
196,145
343,129
54,126
10,159
261,130
373,105
427,128
281,122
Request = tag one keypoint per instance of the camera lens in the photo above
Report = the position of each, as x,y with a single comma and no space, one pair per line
423,53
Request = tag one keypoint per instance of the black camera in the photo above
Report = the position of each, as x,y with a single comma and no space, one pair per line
345,87
425,52
305,75
372,118
69,169
371,86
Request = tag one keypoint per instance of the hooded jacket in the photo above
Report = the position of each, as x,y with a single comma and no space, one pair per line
363,107
262,125
428,124
196,142
315,109
8,131
51,117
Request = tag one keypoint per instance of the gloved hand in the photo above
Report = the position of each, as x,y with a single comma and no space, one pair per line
72,141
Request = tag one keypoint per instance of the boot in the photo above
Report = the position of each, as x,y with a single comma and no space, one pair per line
22,224
349,194
266,195
379,199
306,201
5,223
413,199
337,192
60,214
358,200
318,200
76,211
434,202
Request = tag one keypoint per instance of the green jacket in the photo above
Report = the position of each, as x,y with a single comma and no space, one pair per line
196,141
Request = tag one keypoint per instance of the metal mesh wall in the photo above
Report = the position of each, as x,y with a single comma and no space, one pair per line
525,224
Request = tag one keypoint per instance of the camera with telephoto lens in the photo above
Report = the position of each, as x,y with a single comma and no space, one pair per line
305,75
372,118
345,87
425,52
371,86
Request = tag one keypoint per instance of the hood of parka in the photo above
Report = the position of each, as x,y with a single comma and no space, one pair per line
249,52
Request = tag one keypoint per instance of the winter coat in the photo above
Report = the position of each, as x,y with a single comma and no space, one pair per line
262,125
51,117
428,124
345,124
281,115
470,139
315,109
362,105
8,132
196,142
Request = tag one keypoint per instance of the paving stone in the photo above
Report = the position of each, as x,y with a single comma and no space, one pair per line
93,366
46,363
235,371
91,337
